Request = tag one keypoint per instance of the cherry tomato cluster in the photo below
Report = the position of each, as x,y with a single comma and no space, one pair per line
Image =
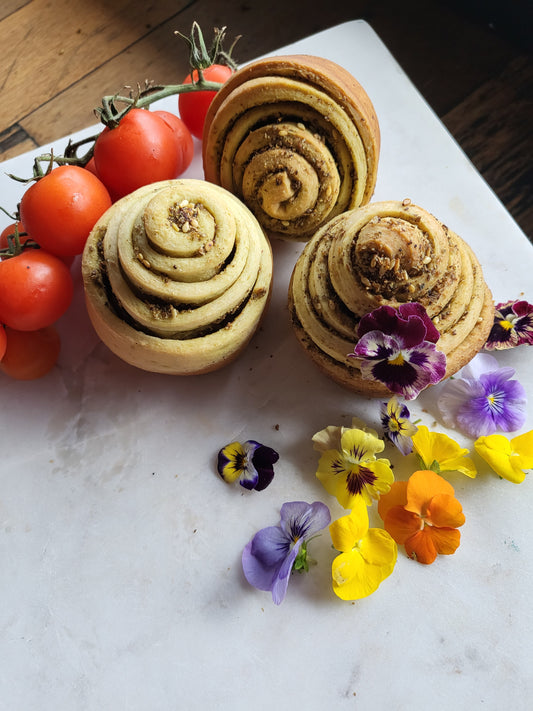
60,208
145,147
36,289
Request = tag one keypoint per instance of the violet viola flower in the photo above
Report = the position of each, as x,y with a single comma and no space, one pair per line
271,555
513,326
397,426
250,463
483,399
397,347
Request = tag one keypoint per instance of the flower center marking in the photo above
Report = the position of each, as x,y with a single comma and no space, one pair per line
397,360
359,478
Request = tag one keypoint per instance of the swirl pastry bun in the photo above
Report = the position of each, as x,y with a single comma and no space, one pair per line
177,276
386,253
297,139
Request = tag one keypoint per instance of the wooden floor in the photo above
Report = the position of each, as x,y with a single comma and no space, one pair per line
470,59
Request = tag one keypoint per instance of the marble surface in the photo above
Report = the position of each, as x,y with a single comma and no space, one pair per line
121,586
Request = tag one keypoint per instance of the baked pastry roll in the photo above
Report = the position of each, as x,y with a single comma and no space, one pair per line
177,276
386,253
297,139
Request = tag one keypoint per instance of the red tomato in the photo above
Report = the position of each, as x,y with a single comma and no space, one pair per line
3,341
10,230
30,354
184,142
60,209
193,105
139,151
35,290
91,167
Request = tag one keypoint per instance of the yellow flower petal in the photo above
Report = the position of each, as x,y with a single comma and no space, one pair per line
522,447
347,531
379,548
358,572
234,453
361,446
438,447
330,437
353,578
500,455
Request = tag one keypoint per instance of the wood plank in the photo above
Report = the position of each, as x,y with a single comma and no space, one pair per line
14,141
444,54
447,51
493,126
440,63
64,40
162,57
10,6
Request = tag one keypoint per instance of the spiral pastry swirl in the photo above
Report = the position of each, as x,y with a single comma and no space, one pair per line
296,138
386,253
177,276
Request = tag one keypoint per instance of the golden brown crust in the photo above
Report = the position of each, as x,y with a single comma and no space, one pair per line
297,139
177,276
386,253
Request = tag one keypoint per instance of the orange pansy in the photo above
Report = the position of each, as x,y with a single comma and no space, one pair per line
423,514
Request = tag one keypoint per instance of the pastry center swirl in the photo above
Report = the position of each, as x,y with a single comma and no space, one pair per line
288,176
287,191
389,251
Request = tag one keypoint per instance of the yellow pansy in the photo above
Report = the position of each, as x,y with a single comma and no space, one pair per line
367,557
437,447
508,458
353,471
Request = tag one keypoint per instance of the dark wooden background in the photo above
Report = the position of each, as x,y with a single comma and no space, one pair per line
470,59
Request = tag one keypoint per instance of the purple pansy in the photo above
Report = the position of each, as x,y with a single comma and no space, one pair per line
513,326
397,347
271,555
482,399
251,463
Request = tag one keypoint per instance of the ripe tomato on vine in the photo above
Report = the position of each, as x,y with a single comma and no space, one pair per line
35,290
144,148
193,106
60,209
30,354
183,138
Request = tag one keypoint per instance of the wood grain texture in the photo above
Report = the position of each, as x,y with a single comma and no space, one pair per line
470,60
477,123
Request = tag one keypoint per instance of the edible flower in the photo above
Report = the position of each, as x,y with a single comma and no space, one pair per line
396,346
271,555
353,471
509,459
441,453
368,555
423,515
250,463
330,437
513,326
483,399
396,423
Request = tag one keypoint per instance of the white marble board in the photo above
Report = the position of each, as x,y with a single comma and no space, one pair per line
120,578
